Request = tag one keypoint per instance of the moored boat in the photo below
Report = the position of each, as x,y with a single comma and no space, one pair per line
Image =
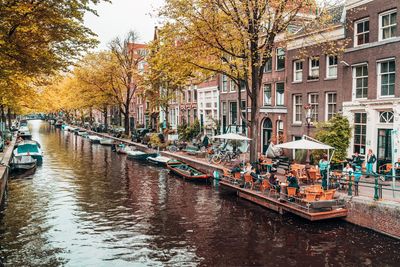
186,171
23,162
24,133
106,141
58,124
94,139
123,149
139,155
159,160
29,148
82,133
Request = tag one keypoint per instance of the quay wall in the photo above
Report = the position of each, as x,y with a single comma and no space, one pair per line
380,216
5,170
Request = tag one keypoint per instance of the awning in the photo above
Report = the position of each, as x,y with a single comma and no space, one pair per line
232,136
304,144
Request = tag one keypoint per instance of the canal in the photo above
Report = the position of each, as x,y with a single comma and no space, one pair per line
88,206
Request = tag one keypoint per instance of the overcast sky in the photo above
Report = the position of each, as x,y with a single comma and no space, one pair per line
118,18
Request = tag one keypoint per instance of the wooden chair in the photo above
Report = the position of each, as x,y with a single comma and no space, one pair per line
227,174
291,191
327,195
248,180
265,185
310,197
237,178
385,168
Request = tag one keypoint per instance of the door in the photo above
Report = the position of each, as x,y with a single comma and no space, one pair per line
384,151
267,134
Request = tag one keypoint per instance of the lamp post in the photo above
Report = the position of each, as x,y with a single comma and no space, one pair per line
308,113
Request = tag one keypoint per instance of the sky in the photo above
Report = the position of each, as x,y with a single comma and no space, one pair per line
117,18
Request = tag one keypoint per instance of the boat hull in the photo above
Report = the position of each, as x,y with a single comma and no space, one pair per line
141,156
190,173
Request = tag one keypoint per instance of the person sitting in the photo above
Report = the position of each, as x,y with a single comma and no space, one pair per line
347,172
273,180
356,160
256,177
248,167
292,181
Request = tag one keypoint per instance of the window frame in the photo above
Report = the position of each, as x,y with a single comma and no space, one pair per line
379,78
328,103
363,134
276,94
295,106
310,68
354,90
328,66
356,34
224,83
270,97
277,55
269,64
296,71
386,13
314,107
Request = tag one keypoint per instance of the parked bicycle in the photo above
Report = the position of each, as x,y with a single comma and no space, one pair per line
225,156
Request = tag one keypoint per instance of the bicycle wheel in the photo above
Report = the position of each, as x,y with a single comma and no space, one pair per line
172,149
216,159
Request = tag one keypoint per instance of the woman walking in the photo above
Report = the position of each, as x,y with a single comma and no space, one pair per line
371,159
323,168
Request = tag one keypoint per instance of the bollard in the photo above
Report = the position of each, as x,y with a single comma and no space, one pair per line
216,175
350,192
376,187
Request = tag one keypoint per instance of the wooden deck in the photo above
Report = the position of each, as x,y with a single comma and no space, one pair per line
282,207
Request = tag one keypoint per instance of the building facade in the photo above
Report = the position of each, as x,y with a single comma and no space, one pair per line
208,105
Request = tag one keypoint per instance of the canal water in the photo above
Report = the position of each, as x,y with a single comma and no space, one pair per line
87,206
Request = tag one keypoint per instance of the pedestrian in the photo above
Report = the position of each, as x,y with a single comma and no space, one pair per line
357,177
371,159
323,169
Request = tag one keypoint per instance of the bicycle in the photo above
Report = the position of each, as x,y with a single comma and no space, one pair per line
223,155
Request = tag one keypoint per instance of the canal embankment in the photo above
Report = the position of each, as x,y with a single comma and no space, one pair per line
5,169
382,215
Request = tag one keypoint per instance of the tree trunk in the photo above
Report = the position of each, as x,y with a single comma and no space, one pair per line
9,117
90,116
3,116
105,112
127,108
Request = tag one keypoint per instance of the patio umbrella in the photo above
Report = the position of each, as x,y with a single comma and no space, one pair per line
232,136
304,144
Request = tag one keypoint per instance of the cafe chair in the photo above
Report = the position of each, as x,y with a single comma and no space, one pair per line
248,180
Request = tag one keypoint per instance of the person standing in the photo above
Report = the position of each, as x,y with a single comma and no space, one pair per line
357,177
371,159
323,168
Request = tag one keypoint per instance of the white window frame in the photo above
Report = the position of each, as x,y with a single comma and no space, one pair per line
328,67
276,94
314,107
294,109
297,71
224,81
356,34
327,103
389,12
276,59
313,68
270,98
354,90
232,86
379,78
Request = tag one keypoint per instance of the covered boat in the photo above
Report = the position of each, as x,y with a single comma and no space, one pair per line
23,163
106,141
29,148
187,172
140,155
123,149
159,160
94,139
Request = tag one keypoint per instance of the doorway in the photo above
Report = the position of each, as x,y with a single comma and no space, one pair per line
384,152
266,134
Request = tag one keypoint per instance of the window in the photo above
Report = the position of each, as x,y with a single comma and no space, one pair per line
267,94
268,65
233,112
194,114
331,66
360,81
361,32
298,71
280,59
313,101
188,116
195,95
360,132
224,116
280,94
224,83
330,105
297,109
314,69
189,96
233,86
387,25
386,77
386,117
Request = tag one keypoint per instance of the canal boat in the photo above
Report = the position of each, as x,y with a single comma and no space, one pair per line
94,139
139,155
23,163
82,133
159,160
107,141
58,124
123,149
186,171
24,133
29,148
313,210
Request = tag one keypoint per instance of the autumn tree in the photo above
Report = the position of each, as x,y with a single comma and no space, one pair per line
236,38
128,55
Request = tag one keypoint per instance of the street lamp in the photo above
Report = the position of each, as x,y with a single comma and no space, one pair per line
309,115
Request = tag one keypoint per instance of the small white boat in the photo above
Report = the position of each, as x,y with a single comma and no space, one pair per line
159,160
139,155
24,132
123,149
66,128
29,148
94,139
23,163
82,133
107,141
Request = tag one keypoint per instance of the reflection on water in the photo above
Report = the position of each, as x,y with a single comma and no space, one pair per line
87,206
